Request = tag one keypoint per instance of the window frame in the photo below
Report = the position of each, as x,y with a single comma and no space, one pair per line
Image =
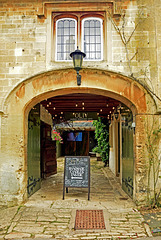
78,17
82,36
56,40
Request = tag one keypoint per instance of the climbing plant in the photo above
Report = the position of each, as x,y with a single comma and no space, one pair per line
153,136
126,27
102,137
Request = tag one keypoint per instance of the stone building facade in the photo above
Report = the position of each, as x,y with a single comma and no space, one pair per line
129,70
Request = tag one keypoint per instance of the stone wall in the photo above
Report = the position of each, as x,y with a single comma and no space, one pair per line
26,46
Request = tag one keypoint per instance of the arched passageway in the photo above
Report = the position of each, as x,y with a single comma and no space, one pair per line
72,116
55,84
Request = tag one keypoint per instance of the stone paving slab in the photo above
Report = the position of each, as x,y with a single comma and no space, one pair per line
59,224
47,216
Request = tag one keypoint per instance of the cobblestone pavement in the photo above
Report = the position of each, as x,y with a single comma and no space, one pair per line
46,215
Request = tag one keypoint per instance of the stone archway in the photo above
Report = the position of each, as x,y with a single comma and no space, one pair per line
59,82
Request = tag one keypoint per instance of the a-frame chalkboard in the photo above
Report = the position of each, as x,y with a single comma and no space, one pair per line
77,173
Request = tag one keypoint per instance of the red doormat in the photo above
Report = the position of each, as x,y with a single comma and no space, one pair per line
89,219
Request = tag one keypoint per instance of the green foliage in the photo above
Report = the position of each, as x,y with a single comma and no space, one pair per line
102,137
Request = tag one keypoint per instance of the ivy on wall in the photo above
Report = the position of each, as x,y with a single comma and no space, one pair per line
102,137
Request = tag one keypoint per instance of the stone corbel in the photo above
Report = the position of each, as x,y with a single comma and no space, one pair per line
116,9
42,12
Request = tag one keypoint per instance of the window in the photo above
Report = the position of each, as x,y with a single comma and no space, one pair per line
92,38
67,38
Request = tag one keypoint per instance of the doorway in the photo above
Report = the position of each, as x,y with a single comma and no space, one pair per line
70,116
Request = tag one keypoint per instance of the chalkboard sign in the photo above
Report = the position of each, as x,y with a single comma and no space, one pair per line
77,173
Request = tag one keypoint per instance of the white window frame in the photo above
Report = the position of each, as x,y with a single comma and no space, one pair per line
82,37
57,60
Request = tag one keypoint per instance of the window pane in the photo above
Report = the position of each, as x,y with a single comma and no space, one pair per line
66,24
92,48
66,31
65,38
98,24
59,48
98,31
98,47
60,24
98,39
86,40
92,56
86,24
86,31
91,23
72,24
91,31
92,39
98,55
72,31
72,47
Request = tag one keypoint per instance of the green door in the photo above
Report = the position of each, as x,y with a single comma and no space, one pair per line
33,151
127,157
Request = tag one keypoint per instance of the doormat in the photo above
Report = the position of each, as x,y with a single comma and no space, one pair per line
89,219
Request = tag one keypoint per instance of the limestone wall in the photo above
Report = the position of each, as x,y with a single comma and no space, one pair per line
131,35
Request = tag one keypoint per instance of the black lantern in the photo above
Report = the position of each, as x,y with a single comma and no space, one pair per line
116,113
77,57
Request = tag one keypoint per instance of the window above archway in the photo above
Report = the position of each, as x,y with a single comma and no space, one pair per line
92,38
85,31
66,31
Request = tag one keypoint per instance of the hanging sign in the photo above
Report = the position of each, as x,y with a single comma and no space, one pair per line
81,116
77,173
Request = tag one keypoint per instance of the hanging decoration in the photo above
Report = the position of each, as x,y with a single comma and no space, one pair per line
56,136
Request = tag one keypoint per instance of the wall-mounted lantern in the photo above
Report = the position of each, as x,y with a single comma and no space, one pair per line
77,57
116,113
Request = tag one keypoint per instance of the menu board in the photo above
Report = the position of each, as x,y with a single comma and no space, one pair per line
77,172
